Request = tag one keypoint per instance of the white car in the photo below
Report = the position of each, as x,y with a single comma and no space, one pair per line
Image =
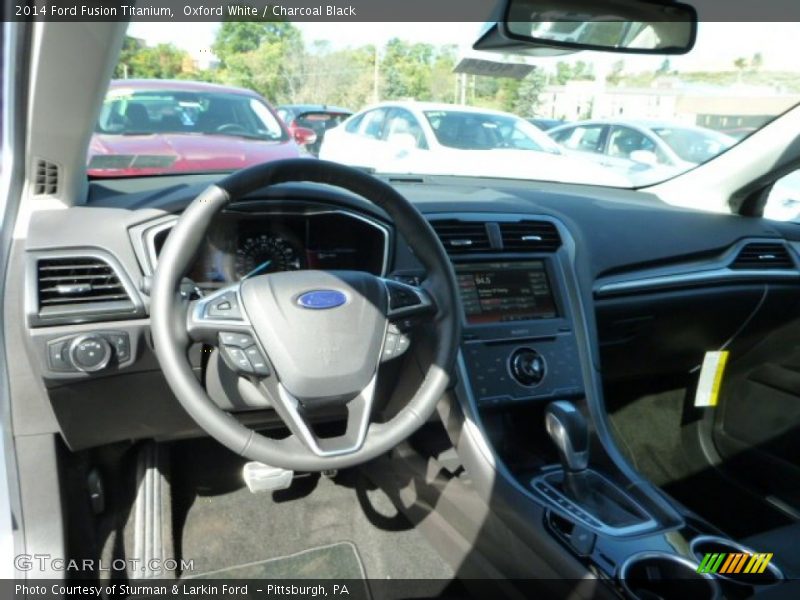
644,151
448,139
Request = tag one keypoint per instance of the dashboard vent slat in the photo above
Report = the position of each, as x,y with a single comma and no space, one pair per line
530,236
763,255
462,237
80,282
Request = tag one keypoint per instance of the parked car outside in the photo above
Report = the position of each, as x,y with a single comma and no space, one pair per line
153,127
643,151
317,117
546,124
433,138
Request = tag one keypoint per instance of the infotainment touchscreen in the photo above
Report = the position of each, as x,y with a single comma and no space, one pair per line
492,292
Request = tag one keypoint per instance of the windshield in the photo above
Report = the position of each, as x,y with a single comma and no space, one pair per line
417,99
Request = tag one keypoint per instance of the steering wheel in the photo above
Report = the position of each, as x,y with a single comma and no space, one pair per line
309,338
231,128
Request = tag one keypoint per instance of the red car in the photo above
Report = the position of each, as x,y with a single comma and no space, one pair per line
153,127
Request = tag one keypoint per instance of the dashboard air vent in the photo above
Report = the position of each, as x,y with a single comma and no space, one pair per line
461,237
80,285
46,178
763,256
530,236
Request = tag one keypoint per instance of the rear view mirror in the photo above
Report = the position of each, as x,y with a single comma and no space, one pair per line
633,26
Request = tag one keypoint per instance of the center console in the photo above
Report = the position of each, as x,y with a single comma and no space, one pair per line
528,387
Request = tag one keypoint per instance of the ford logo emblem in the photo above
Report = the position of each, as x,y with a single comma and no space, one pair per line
320,299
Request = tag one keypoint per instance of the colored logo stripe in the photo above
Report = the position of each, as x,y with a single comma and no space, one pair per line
736,562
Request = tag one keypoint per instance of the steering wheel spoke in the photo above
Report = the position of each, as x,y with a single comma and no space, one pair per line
359,408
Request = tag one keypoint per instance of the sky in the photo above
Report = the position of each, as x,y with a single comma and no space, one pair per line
718,44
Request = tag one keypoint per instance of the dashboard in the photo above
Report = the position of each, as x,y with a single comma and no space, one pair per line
535,265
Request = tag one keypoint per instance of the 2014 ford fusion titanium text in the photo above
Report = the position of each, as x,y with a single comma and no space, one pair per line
392,339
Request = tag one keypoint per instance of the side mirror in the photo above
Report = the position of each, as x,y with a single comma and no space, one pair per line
547,27
644,157
304,136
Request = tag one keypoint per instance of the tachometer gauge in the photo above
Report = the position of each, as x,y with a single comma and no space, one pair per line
265,253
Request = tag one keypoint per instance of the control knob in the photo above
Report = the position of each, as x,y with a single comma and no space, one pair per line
527,366
89,353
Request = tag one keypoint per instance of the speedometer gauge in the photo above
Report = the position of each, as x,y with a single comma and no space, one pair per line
266,253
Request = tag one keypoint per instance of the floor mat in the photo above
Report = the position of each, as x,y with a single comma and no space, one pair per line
335,561
220,525
649,434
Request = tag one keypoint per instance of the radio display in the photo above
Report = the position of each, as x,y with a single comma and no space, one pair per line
493,292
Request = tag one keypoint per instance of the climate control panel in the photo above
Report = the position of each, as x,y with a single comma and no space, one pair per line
516,370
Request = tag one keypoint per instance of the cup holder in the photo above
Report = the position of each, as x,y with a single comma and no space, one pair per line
663,576
708,544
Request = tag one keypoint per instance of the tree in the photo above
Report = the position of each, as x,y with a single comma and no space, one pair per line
407,70
266,57
665,68
527,101
130,47
163,61
757,61
240,37
615,76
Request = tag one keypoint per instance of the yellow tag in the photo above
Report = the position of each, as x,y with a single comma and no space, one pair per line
710,378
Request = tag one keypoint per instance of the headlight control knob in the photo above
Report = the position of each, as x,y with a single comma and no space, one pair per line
527,366
89,353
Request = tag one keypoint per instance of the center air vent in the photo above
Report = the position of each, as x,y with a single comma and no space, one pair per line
461,237
530,236
758,255
83,286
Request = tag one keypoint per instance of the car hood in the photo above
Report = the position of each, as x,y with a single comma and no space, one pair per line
120,156
516,164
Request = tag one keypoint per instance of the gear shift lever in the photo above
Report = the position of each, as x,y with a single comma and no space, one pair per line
567,428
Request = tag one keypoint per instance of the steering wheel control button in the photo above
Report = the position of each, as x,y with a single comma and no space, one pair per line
225,306
527,366
401,296
237,359
240,340
257,361
89,353
389,346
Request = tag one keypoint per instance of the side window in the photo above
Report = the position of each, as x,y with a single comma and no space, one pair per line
402,122
372,125
624,140
783,202
353,124
588,138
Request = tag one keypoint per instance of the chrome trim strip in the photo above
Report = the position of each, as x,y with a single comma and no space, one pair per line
645,525
723,275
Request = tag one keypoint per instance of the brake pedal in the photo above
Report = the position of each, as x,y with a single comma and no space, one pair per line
265,478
